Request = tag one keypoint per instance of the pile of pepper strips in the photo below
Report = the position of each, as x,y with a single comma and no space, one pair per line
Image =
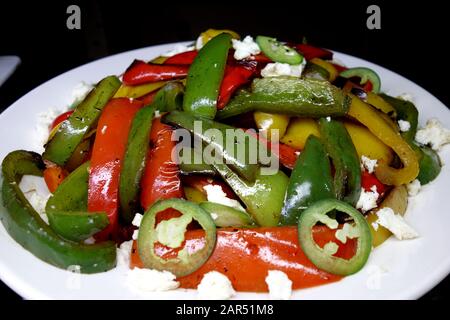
110,158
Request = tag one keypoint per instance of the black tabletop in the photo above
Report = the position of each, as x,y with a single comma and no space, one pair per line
411,41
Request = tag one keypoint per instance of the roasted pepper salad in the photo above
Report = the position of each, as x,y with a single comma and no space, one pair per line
317,175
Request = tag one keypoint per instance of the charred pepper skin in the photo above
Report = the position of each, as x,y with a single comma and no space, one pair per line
26,227
340,148
72,131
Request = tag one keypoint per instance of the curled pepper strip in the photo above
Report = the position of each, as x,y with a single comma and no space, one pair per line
25,225
318,255
365,114
171,233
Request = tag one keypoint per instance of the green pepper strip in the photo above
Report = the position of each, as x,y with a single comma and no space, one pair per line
205,77
71,132
26,227
317,212
429,161
67,208
171,233
217,133
310,181
190,167
292,96
263,197
225,216
339,145
169,97
134,162
365,74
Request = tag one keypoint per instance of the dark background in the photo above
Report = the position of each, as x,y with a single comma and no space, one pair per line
411,42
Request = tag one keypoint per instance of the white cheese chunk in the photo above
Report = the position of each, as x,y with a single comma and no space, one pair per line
395,224
278,69
368,164
368,199
123,254
149,280
413,188
434,134
280,286
245,48
215,286
137,223
404,125
216,194
36,192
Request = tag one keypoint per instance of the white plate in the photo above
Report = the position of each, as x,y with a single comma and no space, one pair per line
409,268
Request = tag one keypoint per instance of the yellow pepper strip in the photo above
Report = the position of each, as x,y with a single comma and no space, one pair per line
159,60
369,117
211,33
332,71
194,195
298,131
367,144
381,104
139,90
397,200
266,122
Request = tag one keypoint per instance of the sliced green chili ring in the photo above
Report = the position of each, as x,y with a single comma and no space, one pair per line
340,148
25,225
134,162
225,216
365,74
205,76
278,51
72,131
323,260
67,208
171,233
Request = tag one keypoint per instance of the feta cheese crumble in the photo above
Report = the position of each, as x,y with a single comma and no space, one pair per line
368,199
433,134
280,286
245,48
348,231
216,194
215,286
123,254
395,224
413,188
404,125
151,280
177,49
42,128
137,223
368,164
37,194
278,69
80,91
199,43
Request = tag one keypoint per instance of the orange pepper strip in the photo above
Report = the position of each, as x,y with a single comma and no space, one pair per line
54,176
246,255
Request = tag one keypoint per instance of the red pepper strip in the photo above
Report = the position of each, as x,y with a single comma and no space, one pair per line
339,68
310,52
286,154
235,77
369,180
140,72
246,255
107,155
261,58
184,58
62,117
161,178
199,182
